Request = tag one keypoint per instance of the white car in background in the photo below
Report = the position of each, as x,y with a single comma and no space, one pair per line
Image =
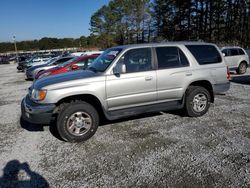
40,61
86,53
236,59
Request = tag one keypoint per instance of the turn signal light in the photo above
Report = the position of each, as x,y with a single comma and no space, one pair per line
42,94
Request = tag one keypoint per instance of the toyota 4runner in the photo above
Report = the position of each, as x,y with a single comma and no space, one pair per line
126,81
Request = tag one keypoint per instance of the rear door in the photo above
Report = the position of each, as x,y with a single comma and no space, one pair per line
135,87
232,58
172,74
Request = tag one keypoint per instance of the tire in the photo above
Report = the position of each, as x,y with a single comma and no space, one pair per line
77,121
197,101
242,69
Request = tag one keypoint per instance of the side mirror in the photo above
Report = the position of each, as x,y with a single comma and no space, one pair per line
74,67
119,69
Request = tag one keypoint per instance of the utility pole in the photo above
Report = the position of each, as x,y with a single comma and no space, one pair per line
14,38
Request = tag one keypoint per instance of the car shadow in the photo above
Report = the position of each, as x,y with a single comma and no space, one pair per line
29,79
243,79
40,128
11,176
52,126
30,126
179,113
105,121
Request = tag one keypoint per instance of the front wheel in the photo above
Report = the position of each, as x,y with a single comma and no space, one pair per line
242,69
77,121
197,101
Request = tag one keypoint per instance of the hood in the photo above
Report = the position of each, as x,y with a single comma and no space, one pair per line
64,77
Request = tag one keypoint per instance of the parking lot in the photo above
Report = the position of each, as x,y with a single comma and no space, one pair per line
154,150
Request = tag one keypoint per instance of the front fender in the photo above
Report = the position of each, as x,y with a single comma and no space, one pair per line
96,89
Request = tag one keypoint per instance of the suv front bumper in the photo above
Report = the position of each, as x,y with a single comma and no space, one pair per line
36,113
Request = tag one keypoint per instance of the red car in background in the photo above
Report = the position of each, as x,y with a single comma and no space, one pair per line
77,63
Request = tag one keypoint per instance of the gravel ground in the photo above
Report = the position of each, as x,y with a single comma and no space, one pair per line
156,150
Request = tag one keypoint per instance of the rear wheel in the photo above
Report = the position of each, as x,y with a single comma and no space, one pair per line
197,101
77,121
242,69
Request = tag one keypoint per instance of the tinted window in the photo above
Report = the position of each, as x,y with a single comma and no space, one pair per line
241,52
205,54
90,61
234,52
225,51
68,62
61,61
82,63
137,60
170,57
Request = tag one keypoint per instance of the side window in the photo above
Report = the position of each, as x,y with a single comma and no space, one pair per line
234,52
183,58
82,64
205,54
137,60
241,52
61,61
170,57
225,51
90,61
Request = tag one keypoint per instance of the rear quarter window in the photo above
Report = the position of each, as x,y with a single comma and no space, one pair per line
241,52
205,54
234,52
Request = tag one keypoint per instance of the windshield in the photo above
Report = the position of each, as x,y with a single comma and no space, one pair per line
68,62
104,60
51,61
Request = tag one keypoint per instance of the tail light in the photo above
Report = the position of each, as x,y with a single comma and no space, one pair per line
228,74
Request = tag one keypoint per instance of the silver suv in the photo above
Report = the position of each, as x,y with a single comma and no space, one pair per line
126,81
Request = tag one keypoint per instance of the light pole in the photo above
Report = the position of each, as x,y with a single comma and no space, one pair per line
14,38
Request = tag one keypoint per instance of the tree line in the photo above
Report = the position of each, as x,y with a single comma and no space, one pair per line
225,22
51,43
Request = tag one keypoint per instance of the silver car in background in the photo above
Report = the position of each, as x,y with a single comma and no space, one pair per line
53,62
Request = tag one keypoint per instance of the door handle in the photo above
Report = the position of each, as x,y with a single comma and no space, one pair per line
189,74
148,78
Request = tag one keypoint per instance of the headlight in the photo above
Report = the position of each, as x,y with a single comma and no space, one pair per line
38,95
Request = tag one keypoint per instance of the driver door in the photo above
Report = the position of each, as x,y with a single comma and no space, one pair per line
137,85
